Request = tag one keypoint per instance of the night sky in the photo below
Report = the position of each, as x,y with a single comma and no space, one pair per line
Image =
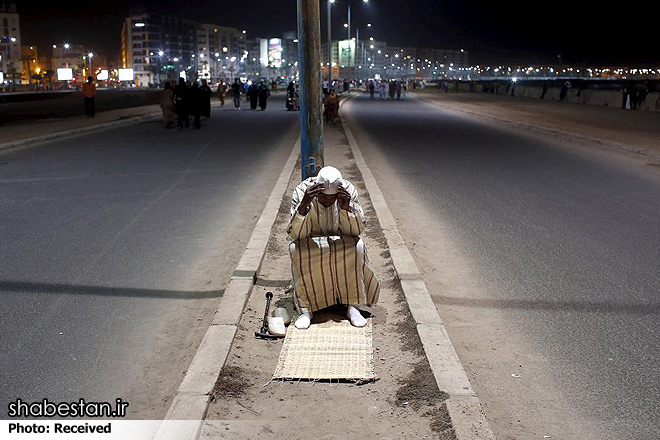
512,32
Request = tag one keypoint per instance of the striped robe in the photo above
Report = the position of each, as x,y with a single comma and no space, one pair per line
329,260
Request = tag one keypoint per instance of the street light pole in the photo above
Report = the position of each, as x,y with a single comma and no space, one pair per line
90,56
349,23
311,115
355,56
329,64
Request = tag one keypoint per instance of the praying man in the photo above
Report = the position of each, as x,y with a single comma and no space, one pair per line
328,258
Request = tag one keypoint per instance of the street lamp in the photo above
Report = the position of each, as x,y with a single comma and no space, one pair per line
90,56
160,65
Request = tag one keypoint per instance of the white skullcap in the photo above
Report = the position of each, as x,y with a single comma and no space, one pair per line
331,177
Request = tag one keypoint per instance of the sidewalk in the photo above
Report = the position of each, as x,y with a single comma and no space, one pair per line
404,403
18,131
626,130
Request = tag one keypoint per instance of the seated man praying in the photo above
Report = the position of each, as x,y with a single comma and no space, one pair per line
328,258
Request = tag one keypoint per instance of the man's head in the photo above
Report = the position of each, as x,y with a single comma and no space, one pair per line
203,82
90,79
331,179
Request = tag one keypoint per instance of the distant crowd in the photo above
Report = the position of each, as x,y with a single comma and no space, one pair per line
392,89
187,101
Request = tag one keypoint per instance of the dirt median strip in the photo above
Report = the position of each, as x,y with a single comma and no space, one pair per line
404,403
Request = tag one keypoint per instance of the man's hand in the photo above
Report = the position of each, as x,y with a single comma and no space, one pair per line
311,192
343,198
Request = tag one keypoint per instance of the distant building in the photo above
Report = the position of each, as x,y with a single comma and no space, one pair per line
158,47
273,58
375,59
222,52
10,44
289,68
71,56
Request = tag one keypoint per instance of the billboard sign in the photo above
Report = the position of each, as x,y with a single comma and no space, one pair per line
126,75
64,74
2,77
275,52
102,75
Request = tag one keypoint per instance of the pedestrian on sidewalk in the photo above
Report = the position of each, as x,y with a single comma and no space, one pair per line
89,92
181,103
263,93
196,104
381,90
167,105
205,99
222,91
398,90
371,90
290,97
236,90
324,231
563,94
331,107
253,95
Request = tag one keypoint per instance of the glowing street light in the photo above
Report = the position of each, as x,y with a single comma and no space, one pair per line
90,55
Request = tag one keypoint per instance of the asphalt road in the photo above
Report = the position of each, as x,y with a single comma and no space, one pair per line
115,248
563,254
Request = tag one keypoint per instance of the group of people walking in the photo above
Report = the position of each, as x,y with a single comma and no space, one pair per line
387,89
185,101
256,94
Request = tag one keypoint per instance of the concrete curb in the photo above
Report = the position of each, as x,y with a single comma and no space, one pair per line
463,404
614,146
77,131
192,399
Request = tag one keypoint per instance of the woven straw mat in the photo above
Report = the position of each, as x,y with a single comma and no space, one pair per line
329,350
